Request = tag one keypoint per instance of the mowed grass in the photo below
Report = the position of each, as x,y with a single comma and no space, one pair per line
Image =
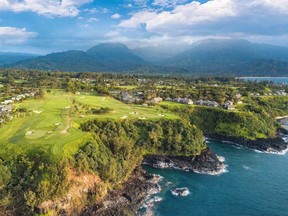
50,126
44,126
127,87
122,110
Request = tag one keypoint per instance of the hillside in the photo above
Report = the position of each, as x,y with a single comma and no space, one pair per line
238,57
9,57
208,57
158,54
108,57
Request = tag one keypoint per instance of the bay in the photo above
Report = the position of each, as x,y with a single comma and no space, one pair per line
277,80
255,184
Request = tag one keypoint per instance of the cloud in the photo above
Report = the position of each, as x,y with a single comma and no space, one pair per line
212,18
168,3
112,34
14,36
182,15
116,16
52,8
92,19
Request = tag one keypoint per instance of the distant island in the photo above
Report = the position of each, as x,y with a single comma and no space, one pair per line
75,142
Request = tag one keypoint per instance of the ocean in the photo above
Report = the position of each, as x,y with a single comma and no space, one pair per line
278,80
254,184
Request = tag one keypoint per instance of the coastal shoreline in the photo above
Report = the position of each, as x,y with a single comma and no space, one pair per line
128,199
140,187
206,163
275,145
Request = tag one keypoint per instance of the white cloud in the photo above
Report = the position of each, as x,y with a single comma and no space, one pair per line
182,15
105,10
213,17
112,34
280,6
168,3
14,36
116,16
92,19
54,8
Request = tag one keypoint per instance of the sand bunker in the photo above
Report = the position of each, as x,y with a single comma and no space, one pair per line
50,132
67,107
57,124
29,133
134,113
142,118
161,115
37,111
124,117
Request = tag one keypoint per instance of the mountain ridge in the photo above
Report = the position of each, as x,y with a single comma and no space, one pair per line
207,57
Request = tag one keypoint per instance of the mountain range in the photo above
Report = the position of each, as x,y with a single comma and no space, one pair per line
12,57
208,57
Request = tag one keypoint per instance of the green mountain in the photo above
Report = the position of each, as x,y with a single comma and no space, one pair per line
238,57
111,57
10,57
208,57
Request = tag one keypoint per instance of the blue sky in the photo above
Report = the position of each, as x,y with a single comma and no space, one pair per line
39,26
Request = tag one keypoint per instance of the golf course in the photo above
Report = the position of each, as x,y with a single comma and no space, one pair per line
52,123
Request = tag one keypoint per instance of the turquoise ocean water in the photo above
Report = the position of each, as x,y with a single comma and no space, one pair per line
278,80
255,184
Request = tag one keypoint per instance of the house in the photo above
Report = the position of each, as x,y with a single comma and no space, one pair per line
5,108
177,100
210,103
199,102
168,99
126,97
139,93
229,105
237,96
186,101
156,100
6,102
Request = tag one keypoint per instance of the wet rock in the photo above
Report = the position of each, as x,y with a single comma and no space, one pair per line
128,199
207,162
276,144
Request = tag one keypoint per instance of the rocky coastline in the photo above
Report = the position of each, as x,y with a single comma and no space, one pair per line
141,185
205,163
128,199
270,145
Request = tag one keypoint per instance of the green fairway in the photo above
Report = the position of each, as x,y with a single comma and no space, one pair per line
51,125
122,110
127,87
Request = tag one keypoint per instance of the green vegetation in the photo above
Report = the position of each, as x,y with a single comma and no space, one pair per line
119,146
61,131
248,124
273,106
76,125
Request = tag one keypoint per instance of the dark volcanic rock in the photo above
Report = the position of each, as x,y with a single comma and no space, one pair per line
276,144
282,131
207,162
127,200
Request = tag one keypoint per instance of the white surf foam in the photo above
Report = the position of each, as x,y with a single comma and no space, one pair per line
180,191
246,167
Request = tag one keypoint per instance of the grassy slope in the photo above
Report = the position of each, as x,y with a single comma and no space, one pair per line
50,118
233,123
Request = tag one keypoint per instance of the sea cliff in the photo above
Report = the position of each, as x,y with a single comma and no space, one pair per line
205,163
269,145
